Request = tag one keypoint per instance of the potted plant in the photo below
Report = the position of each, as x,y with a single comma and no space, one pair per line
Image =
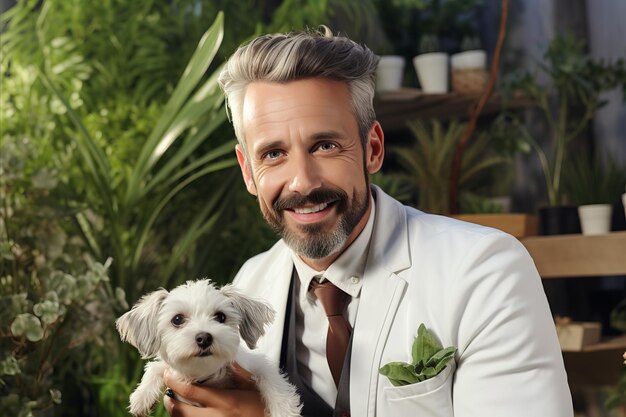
575,79
594,185
426,164
431,66
469,67
389,72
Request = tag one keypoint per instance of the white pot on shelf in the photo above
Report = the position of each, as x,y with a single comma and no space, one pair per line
389,73
474,59
432,72
595,219
469,71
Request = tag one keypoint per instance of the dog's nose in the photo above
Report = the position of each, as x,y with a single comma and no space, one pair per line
204,340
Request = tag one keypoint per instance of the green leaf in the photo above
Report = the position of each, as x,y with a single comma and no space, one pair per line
399,373
27,325
429,359
425,345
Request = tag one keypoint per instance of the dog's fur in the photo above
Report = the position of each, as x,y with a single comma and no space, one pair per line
170,327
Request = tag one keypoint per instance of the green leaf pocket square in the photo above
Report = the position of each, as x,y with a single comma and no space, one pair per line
429,358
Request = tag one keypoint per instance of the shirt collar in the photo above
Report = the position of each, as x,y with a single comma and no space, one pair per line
346,272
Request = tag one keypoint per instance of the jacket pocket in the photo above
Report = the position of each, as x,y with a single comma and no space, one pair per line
432,397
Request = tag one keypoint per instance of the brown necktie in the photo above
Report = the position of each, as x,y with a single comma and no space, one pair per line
334,301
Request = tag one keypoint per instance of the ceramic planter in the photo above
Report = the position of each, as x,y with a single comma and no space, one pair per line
595,219
389,73
469,71
432,72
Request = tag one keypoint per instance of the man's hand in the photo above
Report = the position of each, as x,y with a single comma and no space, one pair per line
243,401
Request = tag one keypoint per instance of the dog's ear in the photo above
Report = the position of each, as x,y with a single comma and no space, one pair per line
255,315
139,326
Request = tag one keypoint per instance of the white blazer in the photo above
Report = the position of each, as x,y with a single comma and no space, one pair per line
474,287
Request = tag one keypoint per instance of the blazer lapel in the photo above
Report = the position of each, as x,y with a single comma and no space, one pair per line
381,294
273,286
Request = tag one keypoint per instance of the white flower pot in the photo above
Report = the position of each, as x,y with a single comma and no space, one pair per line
595,219
469,71
469,60
432,72
389,73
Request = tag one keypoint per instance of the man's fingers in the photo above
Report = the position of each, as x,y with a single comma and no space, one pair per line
242,378
204,396
177,408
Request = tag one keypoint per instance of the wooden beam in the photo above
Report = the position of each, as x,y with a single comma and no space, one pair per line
566,256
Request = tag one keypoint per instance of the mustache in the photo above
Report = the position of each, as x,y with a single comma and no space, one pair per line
318,196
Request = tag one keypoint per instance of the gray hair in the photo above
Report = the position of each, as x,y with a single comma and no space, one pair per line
300,55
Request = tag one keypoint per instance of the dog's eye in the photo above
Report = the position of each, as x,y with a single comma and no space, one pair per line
178,320
221,317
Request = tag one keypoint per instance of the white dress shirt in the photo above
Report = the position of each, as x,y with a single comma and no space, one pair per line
311,322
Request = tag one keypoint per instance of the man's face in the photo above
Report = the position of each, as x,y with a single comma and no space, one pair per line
306,164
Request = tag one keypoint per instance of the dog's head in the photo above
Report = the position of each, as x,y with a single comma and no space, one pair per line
196,327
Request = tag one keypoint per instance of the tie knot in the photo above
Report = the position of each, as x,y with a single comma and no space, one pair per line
332,298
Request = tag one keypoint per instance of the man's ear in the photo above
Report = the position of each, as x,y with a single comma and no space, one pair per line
245,169
375,148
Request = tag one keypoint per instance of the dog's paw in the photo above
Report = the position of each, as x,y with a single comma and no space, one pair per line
140,405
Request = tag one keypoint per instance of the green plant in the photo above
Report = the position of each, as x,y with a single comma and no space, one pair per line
394,185
130,205
54,298
594,181
426,164
575,79
354,17
428,43
91,84
470,43
472,204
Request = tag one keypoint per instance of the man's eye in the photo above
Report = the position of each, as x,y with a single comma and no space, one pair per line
178,320
327,146
221,317
272,155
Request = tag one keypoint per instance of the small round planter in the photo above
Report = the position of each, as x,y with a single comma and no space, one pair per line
432,72
595,219
469,71
389,73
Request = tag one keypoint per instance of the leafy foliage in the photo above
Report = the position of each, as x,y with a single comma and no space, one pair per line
429,358
594,181
427,163
575,80
54,297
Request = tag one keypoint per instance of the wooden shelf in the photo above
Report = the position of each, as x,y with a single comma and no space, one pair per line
565,256
516,224
599,364
615,343
394,108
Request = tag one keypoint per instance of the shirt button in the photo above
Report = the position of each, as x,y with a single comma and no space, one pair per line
354,279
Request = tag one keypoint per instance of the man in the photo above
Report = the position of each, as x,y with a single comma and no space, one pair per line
301,106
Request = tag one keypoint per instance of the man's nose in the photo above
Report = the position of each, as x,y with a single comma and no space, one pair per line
305,176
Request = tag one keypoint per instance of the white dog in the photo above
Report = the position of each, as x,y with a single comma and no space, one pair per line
194,331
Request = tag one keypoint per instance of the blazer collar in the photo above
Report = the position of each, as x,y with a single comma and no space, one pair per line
389,246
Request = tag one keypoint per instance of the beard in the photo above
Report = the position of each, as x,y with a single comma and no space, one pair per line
313,241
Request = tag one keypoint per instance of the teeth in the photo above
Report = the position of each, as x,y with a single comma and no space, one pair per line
309,210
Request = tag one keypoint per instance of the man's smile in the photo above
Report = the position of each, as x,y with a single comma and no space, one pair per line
309,210
311,214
